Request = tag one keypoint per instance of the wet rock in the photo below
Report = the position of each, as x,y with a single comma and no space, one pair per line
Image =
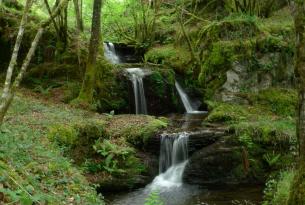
215,164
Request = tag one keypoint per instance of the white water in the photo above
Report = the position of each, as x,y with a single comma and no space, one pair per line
136,77
172,161
186,101
169,184
110,53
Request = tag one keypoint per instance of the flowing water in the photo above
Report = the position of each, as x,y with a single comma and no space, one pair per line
110,53
172,161
136,76
186,100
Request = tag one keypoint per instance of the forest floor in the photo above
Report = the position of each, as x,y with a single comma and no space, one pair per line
33,168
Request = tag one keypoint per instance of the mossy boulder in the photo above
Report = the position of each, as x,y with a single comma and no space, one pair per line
109,148
160,90
177,58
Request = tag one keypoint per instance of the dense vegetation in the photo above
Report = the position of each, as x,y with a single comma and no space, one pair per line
68,129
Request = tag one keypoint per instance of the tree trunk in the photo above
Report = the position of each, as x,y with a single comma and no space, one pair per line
14,57
79,20
8,97
86,93
297,194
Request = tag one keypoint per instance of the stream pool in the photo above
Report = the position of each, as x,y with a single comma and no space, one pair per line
191,195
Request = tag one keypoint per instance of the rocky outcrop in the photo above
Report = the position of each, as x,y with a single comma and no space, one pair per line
275,70
197,140
215,164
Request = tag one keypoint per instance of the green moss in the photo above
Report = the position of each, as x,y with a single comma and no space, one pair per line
225,112
177,58
111,93
77,133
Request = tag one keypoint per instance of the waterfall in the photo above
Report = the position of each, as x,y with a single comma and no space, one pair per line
136,77
172,161
110,53
186,101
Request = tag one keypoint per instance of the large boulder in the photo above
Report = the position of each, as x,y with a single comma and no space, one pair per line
215,164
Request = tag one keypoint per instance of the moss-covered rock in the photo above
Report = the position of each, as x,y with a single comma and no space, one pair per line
136,130
160,90
177,58
106,148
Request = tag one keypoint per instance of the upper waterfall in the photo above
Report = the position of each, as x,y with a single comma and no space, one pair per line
136,77
110,53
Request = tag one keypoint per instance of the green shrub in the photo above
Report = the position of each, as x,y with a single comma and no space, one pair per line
117,158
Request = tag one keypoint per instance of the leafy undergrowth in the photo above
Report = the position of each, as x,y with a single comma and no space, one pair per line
33,170
266,128
107,146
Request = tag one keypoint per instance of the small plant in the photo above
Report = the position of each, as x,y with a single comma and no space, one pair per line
116,158
271,158
153,199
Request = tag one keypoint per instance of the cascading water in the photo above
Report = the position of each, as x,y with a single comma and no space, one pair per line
172,161
110,53
136,77
186,101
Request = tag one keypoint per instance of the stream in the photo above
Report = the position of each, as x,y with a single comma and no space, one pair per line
169,184
173,156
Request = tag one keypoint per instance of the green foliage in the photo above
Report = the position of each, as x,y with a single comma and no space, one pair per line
277,189
259,7
33,170
269,139
280,101
117,159
153,199
297,187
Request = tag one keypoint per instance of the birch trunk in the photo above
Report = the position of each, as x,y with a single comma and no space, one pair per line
14,57
9,95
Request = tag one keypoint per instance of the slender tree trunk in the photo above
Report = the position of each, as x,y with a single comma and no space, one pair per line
297,194
14,57
8,97
300,73
86,93
79,20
